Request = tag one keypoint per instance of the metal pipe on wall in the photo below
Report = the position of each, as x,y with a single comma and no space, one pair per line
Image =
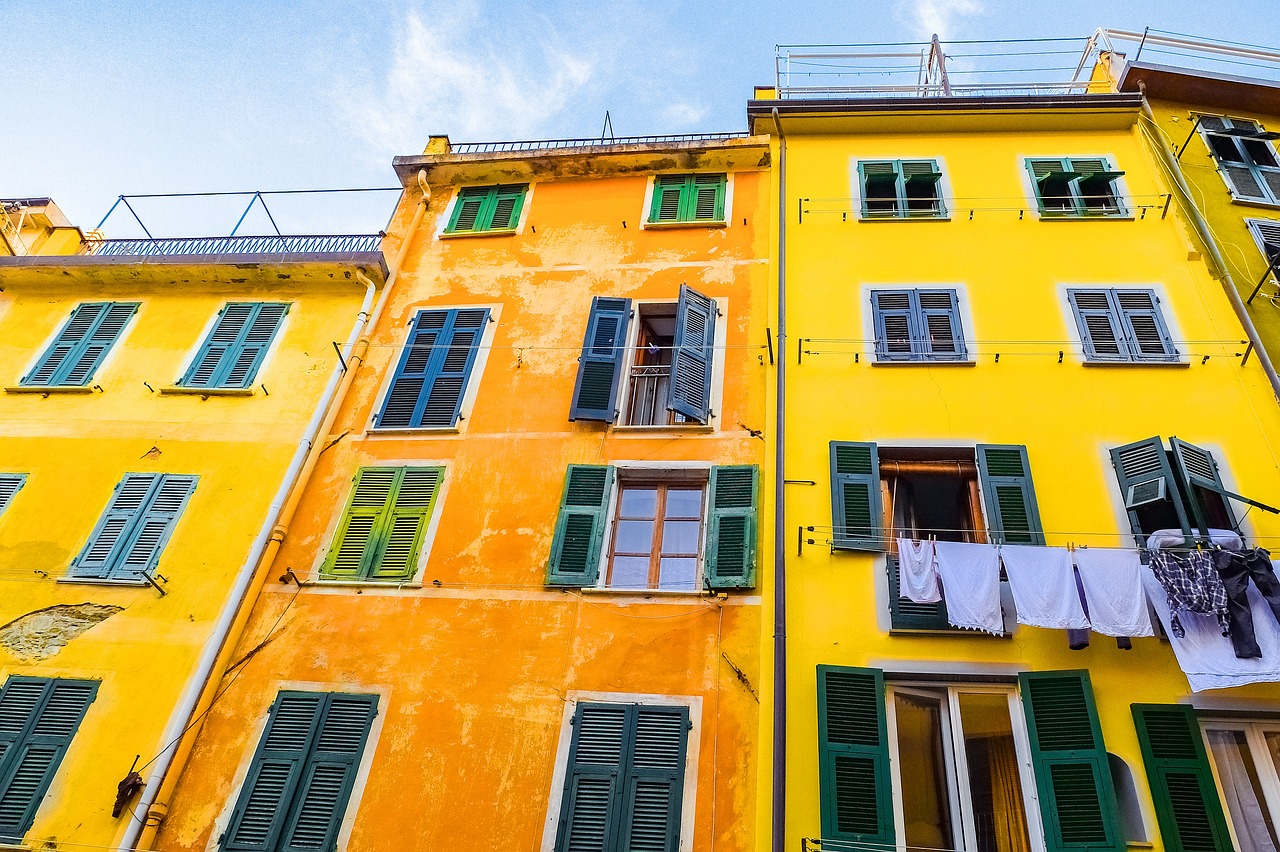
779,813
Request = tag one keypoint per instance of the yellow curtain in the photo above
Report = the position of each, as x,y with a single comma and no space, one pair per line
1006,797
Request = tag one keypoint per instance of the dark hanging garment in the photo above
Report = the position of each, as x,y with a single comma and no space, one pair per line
1191,583
1237,568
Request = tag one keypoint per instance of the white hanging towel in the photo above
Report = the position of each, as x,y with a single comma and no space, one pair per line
1044,586
971,581
917,573
1113,591
1205,655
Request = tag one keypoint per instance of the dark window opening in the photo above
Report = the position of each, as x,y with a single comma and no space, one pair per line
649,383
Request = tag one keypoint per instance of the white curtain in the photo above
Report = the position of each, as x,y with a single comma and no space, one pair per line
1248,813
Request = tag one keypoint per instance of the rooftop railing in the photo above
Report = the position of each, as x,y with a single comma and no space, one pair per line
211,246
1160,47
555,144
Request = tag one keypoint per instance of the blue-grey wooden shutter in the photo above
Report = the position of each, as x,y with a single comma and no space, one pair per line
1005,476
856,792
406,523
431,376
81,345
579,534
38,718
10,485
114,529
354,550
1188,809
730,554
1144,327
654,782
595,393
591,808
1199,469
141,550
1073,776
693,355
1235,164
1098,319
939,321
1145,476
235,346
855,496
895,325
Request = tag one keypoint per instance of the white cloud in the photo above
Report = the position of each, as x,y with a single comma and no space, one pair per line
683,114
937,16
450,74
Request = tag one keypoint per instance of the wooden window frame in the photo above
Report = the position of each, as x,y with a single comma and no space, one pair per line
656,554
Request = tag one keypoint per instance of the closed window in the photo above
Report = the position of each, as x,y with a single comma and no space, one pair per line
625,778
955,766
38,718
299,784
487,209
1075,187
917,325
235,347
431,375
384,525
901,189
664,378
690,198
675,530
10,485
131,534
1246,157
1122,325
81,345
1244,757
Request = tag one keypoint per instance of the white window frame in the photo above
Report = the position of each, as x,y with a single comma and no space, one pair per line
1254,730
945,193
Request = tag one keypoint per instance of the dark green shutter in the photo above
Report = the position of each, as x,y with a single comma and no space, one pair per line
1145,476
82,344
1197,467
653,794
1012,512
236,346
855,496
507,201
382,527
1073,777
1187,805
853,757
590,811
579,535
906,614
595,393
693,355
732,528
38,718
10,485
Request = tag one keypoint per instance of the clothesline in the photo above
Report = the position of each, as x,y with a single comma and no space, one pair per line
897,532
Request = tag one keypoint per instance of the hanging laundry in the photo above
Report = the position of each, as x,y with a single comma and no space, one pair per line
1112,583
971,581
1223,538
1044,586
1208,660
1237,568
1191,584
917,573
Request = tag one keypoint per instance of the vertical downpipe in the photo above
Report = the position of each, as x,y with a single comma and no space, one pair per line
779,819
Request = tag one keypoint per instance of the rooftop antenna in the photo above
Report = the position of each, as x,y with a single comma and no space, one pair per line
607,132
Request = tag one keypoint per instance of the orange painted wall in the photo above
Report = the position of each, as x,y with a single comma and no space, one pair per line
475,672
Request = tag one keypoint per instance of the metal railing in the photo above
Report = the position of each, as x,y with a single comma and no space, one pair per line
1193,53
555,144
207,246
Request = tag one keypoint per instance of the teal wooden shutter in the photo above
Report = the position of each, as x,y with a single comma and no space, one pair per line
920,184
10,485
579,535
855,496
693,355
1198,470
80,346
706,199
1101,334
853,758
1145,477
431,376
111,535
354,549
591,808
730,554
941,338
1188,809
38,718
409,510
906,614
141,550
880,189
1073,777
654,782
1005,476
669,192
1052,179
895,324
1148,337
595,392
236,345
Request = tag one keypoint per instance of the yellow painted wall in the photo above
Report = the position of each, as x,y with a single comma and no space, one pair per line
475,664
75,448
1012,270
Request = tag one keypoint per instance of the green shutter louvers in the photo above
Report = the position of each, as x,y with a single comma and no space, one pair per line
732,529
855,496
579,534
688,199
487,209
853,753
1188,809
1005,477
383,526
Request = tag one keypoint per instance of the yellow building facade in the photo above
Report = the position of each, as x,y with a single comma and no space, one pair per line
997,329
518,602
156,401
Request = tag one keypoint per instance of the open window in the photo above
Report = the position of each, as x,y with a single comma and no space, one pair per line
1246,157
901,189
1075,187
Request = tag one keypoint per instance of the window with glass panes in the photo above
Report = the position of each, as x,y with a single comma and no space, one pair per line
657,535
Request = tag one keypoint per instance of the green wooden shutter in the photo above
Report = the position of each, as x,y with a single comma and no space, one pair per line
595,392
853,754
1073,777
115,528
579,535
82,344
591,808
855,496
38,718
355,547
141,550
1005,475
408,513
1199,469
880,189
467,208
669,192
906,614
10,485
653,791
730,554
921,179
1145,476
1187,805
706,198
329,774
504,214
693,355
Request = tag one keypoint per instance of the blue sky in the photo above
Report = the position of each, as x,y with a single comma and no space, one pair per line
103,99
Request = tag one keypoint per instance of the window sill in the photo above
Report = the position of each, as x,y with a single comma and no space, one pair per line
930,218
946,631
700,223
364,584
10,847
1087,217
924,362
45,390
1255,202
647,593
626,428
408,431
1180,362
180,390
496,232
105,581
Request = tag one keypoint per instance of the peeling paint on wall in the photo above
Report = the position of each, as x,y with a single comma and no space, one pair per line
41,634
